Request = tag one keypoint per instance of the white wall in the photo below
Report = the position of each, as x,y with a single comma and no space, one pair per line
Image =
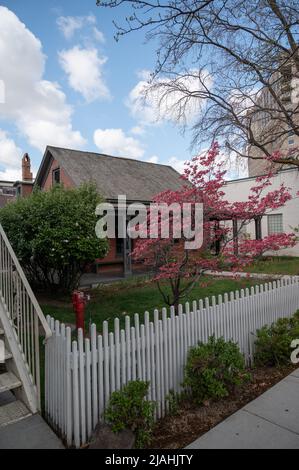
239,191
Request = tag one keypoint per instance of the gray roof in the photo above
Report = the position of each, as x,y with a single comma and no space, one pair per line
114,176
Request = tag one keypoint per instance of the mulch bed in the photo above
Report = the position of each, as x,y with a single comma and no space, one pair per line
191,421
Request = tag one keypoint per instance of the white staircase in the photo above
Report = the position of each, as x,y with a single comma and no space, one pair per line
11,408
22,327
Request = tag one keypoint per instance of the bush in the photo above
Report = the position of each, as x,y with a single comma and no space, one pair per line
53,234
128,409
214,369
273,344
173,400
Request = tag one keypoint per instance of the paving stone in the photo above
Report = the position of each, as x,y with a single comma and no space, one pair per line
280,404
243,430
29,433
271,421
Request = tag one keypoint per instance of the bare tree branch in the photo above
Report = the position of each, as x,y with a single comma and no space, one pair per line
250,53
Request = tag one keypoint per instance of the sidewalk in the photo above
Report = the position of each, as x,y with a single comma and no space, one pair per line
271,421
92,280
29,433
249,275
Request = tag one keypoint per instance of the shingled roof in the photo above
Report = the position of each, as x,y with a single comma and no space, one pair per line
114,176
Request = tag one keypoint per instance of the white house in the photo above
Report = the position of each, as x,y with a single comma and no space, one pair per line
280,220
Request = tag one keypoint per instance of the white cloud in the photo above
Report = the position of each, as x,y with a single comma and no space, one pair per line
10,154
2,92
98,35
153,159
165,102
10,174
116,142
68,25
177,164
84,70
137,130
38,107
144,75
244,100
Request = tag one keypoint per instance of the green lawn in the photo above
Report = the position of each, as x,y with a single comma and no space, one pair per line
276,265
132,296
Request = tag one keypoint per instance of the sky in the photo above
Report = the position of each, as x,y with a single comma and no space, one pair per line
65,81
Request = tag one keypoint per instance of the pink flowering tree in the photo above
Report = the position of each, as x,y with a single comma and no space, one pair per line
176,267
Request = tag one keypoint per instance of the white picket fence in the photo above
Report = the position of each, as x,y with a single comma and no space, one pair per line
81,375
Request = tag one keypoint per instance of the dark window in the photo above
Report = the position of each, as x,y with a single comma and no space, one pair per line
56,176
258,228
11,191
119,241
119,247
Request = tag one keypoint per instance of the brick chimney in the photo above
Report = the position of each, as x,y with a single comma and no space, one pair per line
26,168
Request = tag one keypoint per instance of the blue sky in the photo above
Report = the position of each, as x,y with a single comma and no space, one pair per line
69,83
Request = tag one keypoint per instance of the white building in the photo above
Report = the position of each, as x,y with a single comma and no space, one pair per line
277,221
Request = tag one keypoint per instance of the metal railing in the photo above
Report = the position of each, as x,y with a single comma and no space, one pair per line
23,310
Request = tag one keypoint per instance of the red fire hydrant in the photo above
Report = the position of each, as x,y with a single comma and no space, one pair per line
79,301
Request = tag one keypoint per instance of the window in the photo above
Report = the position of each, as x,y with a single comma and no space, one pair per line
119,247
10,191
275,224
56,176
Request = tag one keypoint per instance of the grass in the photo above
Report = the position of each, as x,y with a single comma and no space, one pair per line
276,265
130,297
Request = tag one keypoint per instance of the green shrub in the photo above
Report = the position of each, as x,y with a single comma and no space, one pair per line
53,234
214,369
172,400
128,409
273,343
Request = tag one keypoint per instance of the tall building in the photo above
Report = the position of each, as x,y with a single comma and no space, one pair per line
270,125
269,117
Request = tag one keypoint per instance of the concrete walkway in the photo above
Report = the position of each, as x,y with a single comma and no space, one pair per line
29,433
92,280
249,275
271,421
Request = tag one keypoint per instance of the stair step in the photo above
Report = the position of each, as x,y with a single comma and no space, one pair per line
9,381
12,413
8,355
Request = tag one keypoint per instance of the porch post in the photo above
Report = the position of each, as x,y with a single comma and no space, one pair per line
217,240
258,228
235,237
127,254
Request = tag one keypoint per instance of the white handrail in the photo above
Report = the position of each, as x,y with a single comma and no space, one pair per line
22,309
38,310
